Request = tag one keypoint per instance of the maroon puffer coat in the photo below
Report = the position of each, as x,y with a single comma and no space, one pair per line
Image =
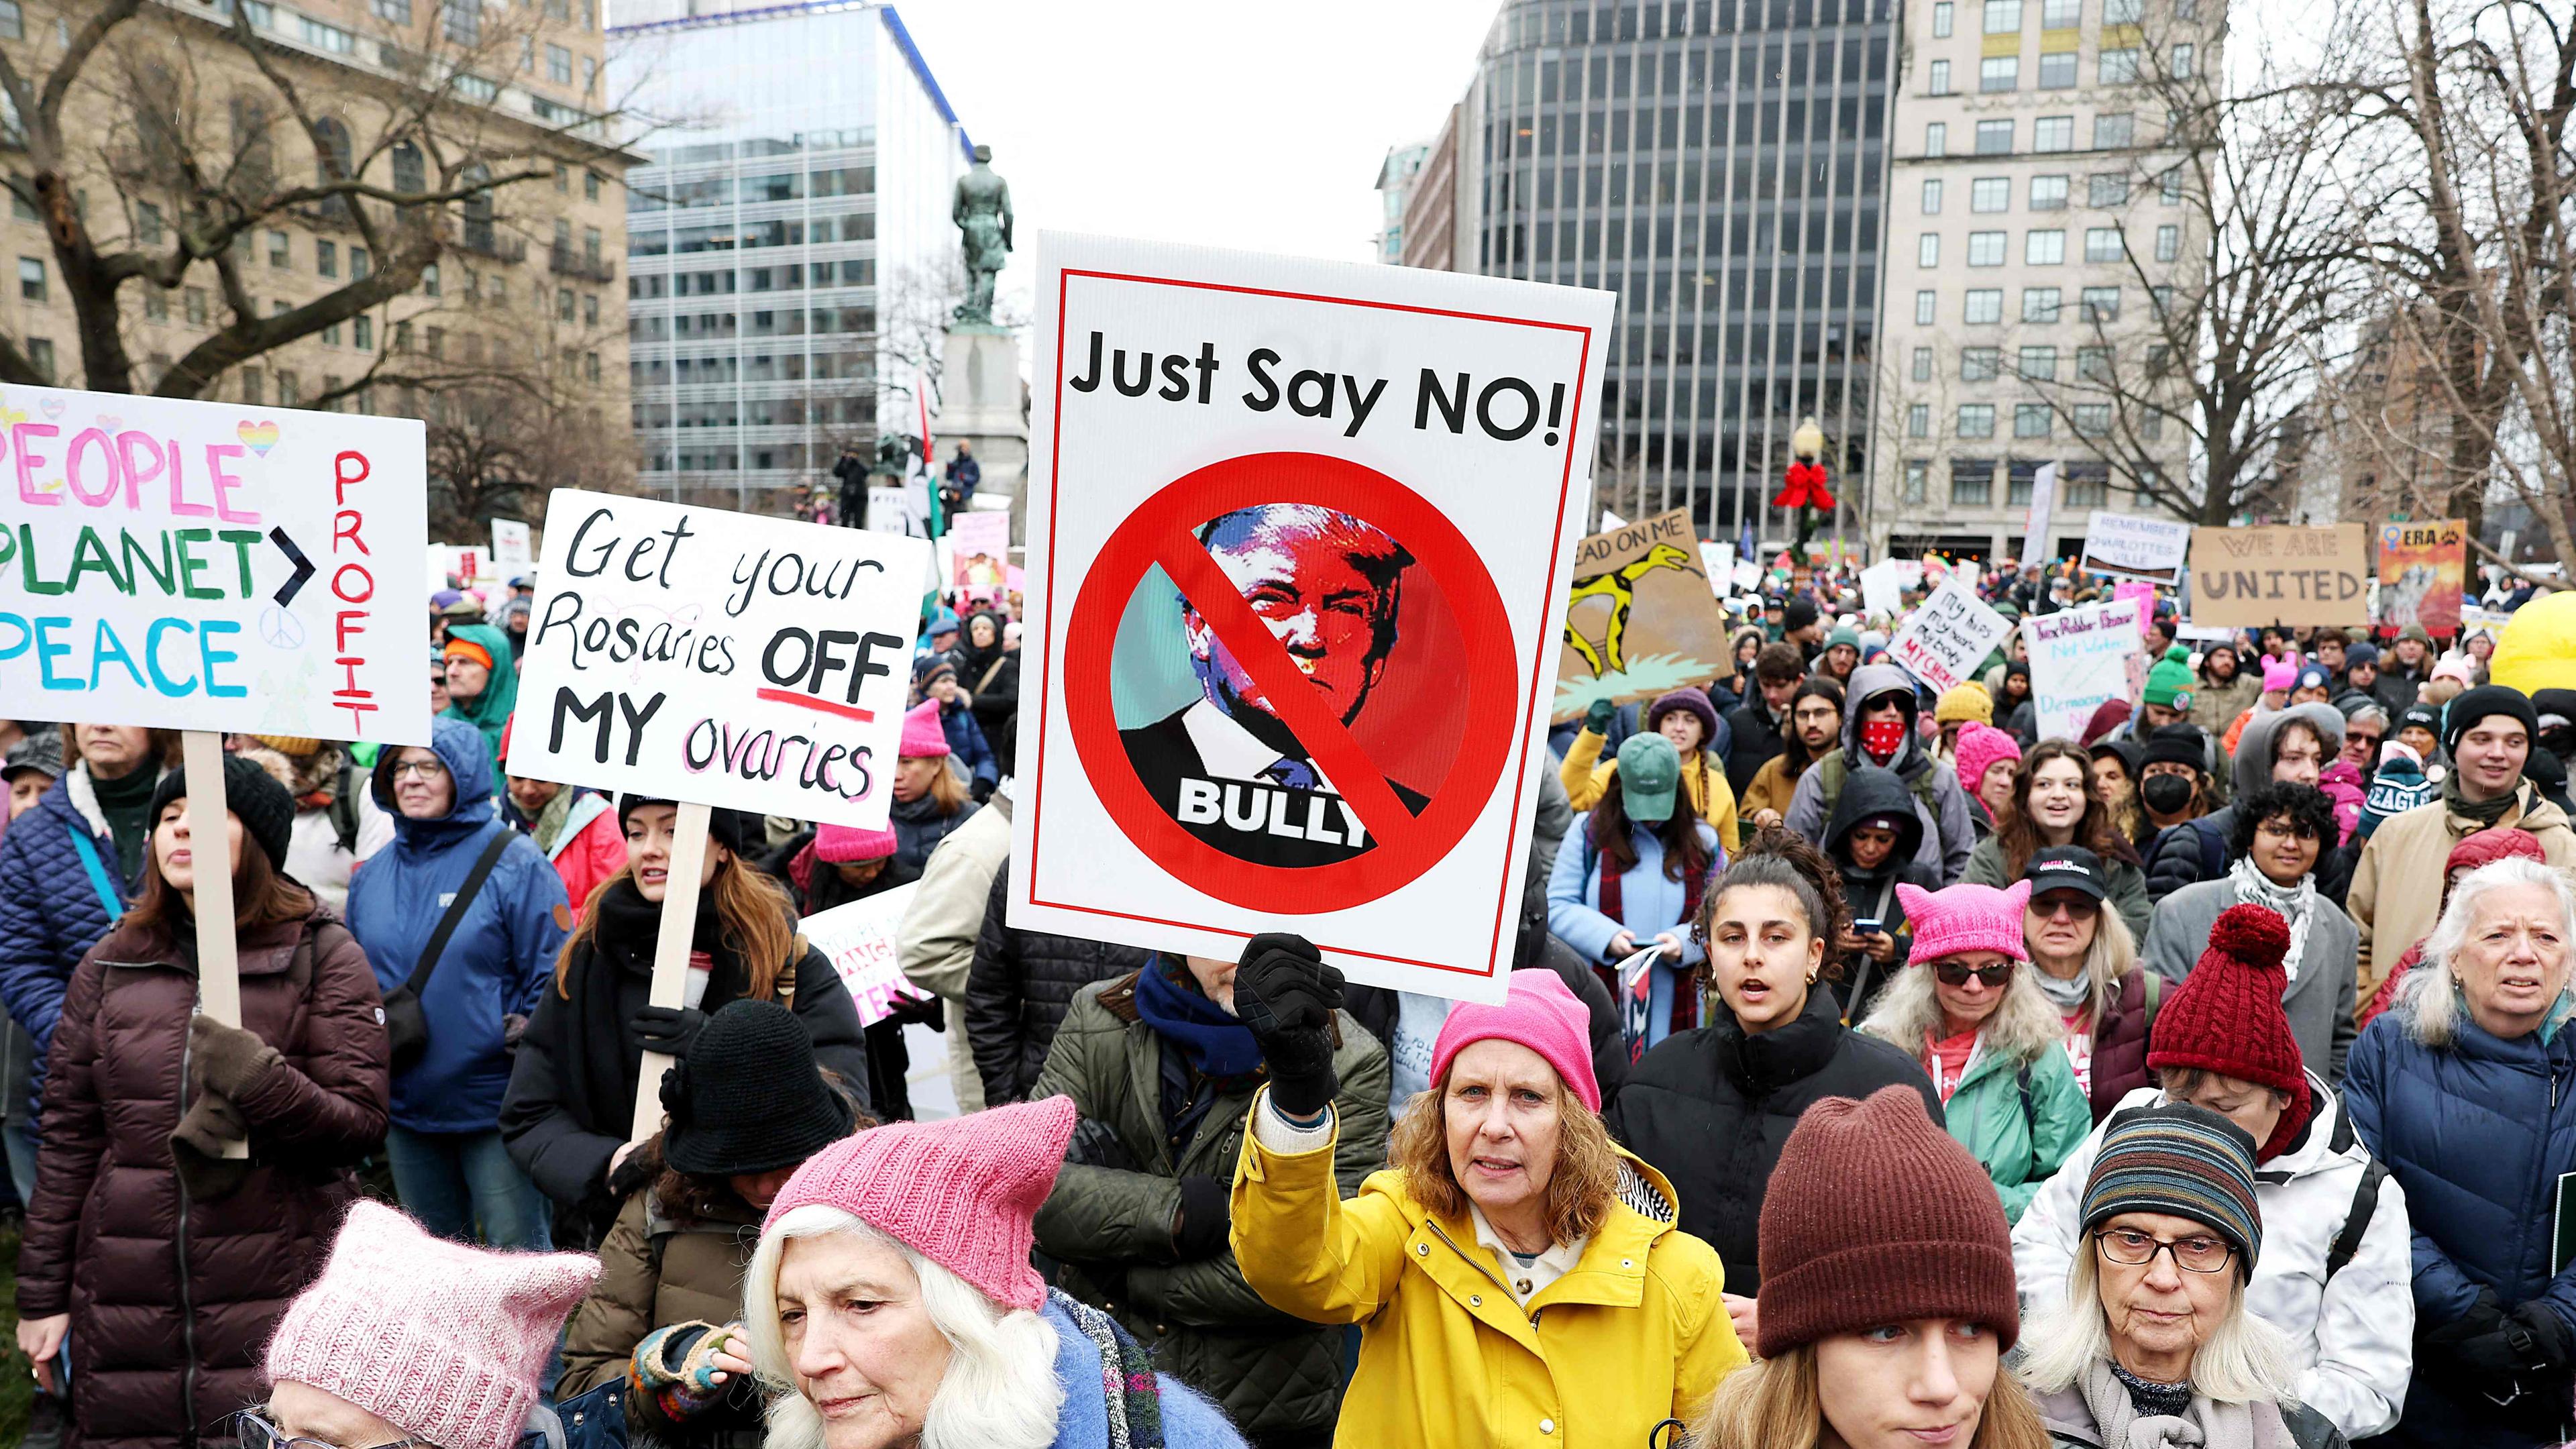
2120,1043
172,1300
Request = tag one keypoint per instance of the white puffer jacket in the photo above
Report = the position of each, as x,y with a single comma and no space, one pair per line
2352,1337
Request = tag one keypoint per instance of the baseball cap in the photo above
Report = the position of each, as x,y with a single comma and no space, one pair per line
1650,776
2065,868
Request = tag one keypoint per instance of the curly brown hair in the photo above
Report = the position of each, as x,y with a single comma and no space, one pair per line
2098,830
1580,1190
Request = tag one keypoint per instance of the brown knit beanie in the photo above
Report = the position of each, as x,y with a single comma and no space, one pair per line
1876,1216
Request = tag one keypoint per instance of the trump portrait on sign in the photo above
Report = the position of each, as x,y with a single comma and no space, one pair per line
1329,587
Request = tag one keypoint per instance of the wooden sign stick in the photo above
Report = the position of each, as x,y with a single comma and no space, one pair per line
218,968
671,952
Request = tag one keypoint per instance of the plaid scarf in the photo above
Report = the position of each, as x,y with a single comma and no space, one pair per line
1133,1396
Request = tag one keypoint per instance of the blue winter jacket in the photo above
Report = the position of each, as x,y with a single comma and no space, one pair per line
50,911
966,742
1650,902
500,958
2478,1134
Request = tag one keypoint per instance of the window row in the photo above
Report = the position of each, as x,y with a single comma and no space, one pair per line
2040,306
1988,195
2086,483
2006,17
2112,131
2057,70
2033,362
855,272
2046,247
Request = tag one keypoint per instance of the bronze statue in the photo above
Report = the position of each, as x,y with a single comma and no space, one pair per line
982,211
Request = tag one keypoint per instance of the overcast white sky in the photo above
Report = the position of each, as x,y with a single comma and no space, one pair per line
1242,123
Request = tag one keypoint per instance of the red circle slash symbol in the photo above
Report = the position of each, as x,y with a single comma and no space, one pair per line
1403,844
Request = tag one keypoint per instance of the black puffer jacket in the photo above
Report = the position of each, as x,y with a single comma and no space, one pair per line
1873,792
1020,987
1711,1109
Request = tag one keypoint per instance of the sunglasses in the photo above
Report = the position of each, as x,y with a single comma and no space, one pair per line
1954,974
2074,907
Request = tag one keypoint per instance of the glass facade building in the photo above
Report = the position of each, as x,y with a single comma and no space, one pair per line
799,190
1719,164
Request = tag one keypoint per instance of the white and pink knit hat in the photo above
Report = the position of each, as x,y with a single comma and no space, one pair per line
963,1192
443,1341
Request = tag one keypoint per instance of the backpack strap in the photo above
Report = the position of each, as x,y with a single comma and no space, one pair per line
2365,1206
2154,983
2029,1119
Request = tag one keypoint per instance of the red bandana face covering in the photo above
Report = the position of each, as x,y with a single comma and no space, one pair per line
1882,738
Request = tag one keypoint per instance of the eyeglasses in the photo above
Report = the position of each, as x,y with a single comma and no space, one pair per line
2131,1248
252,1430
2073,907
1953,974
418,769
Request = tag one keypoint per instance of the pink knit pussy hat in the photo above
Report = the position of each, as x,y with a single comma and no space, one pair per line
1979,747
846,844
2280,675
963,1192
443,1341
922,736
1965,918
1538,1012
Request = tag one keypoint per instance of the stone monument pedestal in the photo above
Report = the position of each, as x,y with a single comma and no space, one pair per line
981,404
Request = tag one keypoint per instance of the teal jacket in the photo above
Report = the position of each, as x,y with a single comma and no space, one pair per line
2021,1121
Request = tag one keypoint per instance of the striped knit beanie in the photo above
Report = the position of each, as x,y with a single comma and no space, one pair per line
2179,1159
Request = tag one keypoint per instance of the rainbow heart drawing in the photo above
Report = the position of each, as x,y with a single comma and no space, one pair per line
112,424
53,408
260,436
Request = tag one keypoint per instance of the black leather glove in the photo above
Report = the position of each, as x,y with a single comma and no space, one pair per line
2485,1316
670,1030
1597,718
929,1011
981,790
1207,1213
1286,996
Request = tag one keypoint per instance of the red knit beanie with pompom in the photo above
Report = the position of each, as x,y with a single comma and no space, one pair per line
2226,1016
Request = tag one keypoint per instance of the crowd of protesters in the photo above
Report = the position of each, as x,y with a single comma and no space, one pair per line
1880,1068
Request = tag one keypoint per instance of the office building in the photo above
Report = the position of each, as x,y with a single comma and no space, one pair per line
2038,228
1395,178
1718,164
791,252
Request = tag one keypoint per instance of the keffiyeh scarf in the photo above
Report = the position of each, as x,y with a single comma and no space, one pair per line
2295,905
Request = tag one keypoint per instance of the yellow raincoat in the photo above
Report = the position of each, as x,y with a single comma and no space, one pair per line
1636,1332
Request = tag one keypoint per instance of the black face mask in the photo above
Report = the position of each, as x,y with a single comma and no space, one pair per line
2166,794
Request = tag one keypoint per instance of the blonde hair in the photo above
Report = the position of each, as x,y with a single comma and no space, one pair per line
1777,1403
1580,1189
2022,1026
1000,1390
2428,1000
2243,1361
2113,953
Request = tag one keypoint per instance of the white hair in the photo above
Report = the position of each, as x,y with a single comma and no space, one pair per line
2106,962
2428,1000
2022,1026
1000,1391
2243,1361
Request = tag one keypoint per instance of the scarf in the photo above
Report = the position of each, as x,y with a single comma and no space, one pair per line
549,824
2123,1423
1213,1042
2487,813
2066,995
1130,1393
2293,904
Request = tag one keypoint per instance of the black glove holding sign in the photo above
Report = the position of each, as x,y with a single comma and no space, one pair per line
1286,996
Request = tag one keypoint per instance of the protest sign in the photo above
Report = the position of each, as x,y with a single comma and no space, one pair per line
886,511
2423,568
1882,592
979,548
1948,636
858,938
511,555
2148,549
1717,560
2079,659
207,566
2246,578
1641,618
1301,535
701,654
2145,594
2035,544
1748,576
